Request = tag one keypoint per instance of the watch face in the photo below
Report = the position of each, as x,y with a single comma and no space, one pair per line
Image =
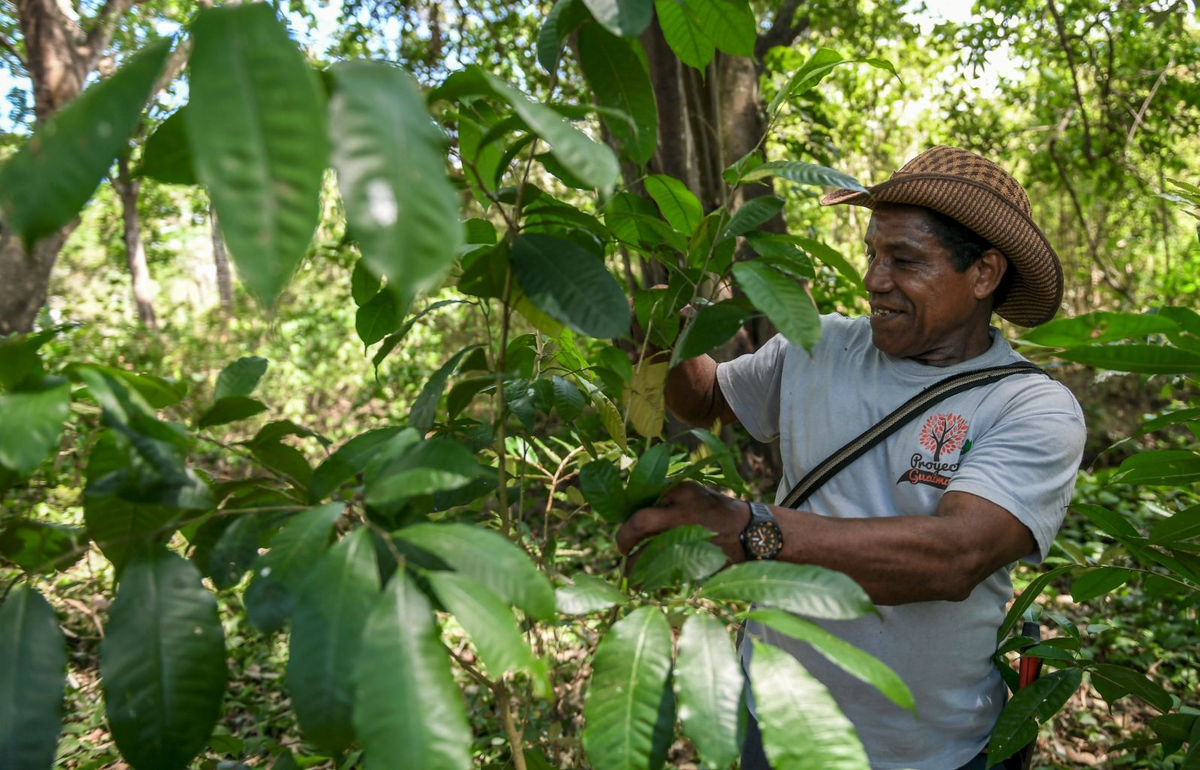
763,539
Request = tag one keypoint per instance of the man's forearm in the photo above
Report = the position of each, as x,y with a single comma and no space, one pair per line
693,394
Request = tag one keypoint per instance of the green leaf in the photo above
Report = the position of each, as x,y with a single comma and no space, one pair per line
240,378
1184,525
858,664
260,146
802,80
711,327
436,465
35,546
570,285
751,214
33,665
490,559
424,409
167,156
1167,419
231,409
1031,592
600,483
406,703
491,625
279,574
1097,327
391,166
1115,682
233,552
162,662
31,423
832,258
44,184
805,173
783,300
327,628
648,479
676,202
1139,359
1042,698
568,400
563,17
394,339
627,18
347,460
1166,467
619,81
629,694
586,595
645,397
159,392
378,317
801,725
680,554
610,418
591,162
1107,520
708,686
681,29
729,24
19,356
1098,582
801,588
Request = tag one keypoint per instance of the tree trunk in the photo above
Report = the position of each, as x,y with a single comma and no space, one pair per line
221,259
135,254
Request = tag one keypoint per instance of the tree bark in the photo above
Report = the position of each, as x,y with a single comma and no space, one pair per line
135,254
221,260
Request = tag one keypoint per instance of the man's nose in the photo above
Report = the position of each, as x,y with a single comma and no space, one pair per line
878,278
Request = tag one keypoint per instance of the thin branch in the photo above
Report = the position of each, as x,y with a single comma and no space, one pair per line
1141,113
104,26
1066,46
783,31
9,46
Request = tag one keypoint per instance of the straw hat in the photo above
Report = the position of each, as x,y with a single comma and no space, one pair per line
984,197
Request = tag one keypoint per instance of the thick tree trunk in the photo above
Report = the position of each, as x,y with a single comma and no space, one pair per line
24,278
135,254
221,260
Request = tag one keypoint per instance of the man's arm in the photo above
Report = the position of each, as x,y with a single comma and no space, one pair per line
693,394
897,560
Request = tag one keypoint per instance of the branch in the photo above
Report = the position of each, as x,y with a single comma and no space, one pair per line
1141,113
104,26
8,45
783,31
1066,46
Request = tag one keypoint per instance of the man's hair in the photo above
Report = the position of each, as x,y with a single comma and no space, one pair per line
966,247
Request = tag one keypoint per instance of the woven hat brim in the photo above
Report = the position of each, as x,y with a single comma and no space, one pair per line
1037,288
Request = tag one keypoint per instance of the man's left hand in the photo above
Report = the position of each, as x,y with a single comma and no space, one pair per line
690,503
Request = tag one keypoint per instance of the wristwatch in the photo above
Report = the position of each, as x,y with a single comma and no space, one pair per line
762,538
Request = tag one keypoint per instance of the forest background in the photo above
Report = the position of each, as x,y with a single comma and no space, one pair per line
1093,106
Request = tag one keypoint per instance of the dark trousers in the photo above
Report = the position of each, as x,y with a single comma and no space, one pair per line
754,758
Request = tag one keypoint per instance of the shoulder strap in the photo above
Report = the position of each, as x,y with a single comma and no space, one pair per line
940,390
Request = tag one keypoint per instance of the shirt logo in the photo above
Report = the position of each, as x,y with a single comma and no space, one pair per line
942,434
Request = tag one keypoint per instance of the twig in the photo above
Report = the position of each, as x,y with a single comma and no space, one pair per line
8,45
1141,113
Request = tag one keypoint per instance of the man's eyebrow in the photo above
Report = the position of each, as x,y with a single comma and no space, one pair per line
896,243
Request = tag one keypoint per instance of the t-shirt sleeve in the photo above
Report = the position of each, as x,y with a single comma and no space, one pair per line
751,386
1026,463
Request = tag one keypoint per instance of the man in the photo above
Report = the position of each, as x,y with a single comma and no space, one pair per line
929,521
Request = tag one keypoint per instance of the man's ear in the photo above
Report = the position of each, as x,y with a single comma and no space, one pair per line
989,270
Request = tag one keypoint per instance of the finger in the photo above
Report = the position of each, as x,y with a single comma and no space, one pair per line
645,523
682,493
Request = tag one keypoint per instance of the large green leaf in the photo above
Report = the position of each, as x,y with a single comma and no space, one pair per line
683,33
234,551
805,589
787,305
1165,467
1098,582
600,483
378,317
1115,682
33,665
680,554
751,214
648,479
805,173
853,661
678,205
256,120
832,258
41,545
810,73
712,326
564,16
1184,525
491,626
347,460
1041,698
589,161
280,572
240,377
45,184
802,727
587,594
619,81
628,715
489,558
570,285
708,685
407,709
729,24
1137,358
327,628
424,409
391,166
162,662
167,156
1026,597
627,18
31,424
1097,327
436,465
231,409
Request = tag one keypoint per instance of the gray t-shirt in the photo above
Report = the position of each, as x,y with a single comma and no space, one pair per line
1016,443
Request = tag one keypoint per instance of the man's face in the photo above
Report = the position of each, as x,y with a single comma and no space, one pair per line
921,307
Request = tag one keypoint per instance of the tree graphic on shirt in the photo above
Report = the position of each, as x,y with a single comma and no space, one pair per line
943,433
